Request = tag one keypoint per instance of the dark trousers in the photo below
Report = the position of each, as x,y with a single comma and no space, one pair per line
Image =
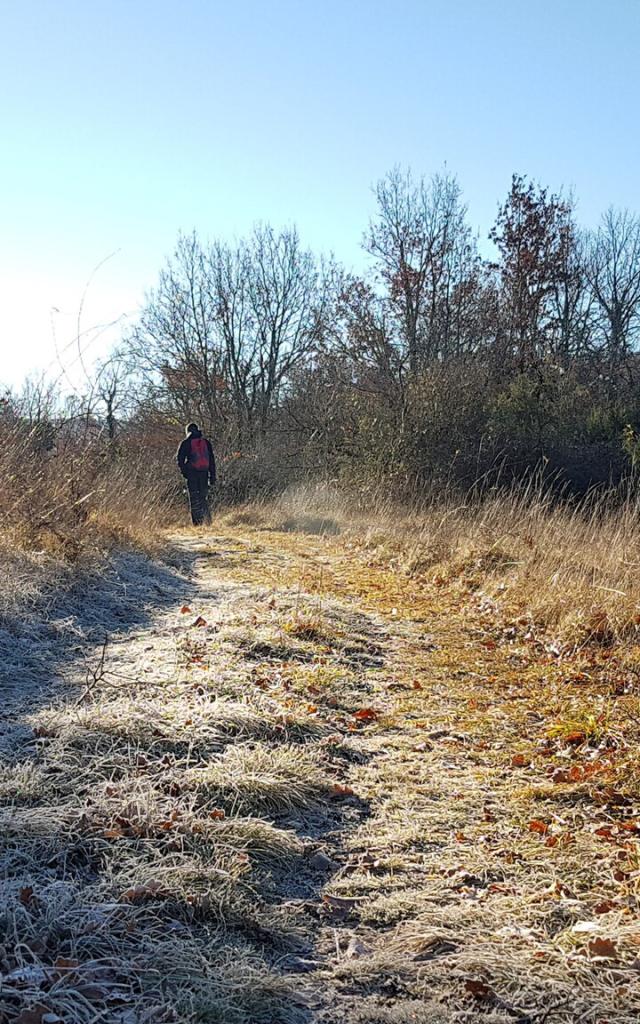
198,487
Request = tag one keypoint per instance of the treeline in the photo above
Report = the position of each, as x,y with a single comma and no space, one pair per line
437,364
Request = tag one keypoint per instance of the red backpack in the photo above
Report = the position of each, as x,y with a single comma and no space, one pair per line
199,458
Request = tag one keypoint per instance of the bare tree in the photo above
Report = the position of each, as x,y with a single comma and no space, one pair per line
369,355
423,250
177,348
571,302
113,391
229,274
613,270
227,325
291,297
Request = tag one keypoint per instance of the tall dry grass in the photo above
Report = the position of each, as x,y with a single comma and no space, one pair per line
71,492
571,567
568,566
67,500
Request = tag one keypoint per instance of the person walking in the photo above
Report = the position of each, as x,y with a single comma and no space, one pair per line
197,464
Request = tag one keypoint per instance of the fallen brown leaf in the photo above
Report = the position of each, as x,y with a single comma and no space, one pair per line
478,989
26,895
38,1014
604,948
140,893
63,964
605,907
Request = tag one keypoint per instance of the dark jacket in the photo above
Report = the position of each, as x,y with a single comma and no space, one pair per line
184,454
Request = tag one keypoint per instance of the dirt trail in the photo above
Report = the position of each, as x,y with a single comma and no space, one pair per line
312,789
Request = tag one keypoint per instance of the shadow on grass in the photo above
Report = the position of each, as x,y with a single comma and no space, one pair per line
330,824
53,634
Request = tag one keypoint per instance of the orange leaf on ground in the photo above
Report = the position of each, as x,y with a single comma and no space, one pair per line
575,738
200,621
339,790
185,609
217,814
366,714
519,761
538,826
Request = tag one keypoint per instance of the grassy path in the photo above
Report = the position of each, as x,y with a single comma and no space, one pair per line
313,789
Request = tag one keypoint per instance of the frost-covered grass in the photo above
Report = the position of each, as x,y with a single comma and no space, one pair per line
147,802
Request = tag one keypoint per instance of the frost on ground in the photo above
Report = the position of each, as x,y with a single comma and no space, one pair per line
53,620
277,782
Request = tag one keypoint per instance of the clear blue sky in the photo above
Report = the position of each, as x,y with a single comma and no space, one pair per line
124,121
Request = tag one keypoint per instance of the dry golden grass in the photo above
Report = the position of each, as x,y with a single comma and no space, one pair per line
570,568
500,769
67,493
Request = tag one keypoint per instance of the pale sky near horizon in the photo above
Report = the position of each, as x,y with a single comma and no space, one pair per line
125,121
